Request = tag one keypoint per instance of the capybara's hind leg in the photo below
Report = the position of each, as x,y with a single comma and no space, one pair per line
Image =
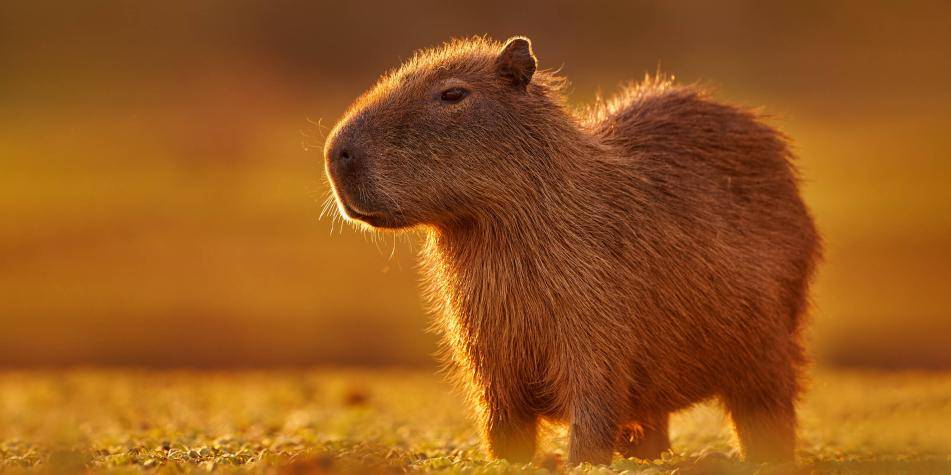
767,432
764,416
645,440
512,436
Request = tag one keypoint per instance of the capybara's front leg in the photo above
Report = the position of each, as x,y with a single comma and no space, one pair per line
511,433
593,431
647,439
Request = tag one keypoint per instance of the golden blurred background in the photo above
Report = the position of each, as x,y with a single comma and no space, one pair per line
158,206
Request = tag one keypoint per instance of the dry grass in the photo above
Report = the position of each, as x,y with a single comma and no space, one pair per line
395,421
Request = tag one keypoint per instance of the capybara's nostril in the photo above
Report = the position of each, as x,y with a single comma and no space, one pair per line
343,157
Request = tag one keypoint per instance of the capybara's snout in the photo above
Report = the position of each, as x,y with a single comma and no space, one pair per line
349,162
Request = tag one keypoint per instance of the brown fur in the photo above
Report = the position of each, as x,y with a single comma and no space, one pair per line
602,268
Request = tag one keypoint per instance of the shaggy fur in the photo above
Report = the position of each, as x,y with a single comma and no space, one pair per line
601,268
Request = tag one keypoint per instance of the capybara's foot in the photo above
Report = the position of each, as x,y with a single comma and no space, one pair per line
647,440
592,455
513,450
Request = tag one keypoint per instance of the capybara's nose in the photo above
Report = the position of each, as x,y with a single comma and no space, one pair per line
345,160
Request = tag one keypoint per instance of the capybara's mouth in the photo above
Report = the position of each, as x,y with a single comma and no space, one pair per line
352,213
355,209
377,219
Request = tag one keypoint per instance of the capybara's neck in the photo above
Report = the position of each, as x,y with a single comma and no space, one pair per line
557,175
493,259
562,186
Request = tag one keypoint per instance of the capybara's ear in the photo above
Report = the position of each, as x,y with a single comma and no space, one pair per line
516,63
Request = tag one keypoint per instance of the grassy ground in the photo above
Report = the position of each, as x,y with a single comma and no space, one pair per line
394,421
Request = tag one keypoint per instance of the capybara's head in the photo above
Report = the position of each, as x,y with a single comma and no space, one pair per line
441,137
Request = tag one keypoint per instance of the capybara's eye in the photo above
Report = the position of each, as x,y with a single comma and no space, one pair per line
454,95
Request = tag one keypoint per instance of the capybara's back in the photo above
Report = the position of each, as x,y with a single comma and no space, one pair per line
727,184
601,268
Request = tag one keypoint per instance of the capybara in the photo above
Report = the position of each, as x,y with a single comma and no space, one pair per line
599,267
